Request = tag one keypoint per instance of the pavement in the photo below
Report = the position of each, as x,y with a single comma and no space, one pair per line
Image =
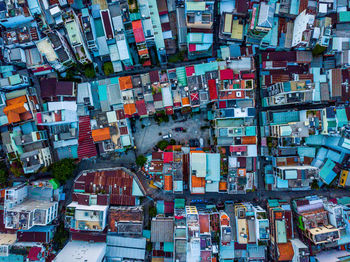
146,138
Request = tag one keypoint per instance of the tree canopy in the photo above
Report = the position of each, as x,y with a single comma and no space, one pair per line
63,169
141,160
108,68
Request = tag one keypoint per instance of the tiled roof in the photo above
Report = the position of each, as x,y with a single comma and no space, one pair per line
286,251
101,134
117,183
16,109
129,109
168,183
141,107
138,31
125,82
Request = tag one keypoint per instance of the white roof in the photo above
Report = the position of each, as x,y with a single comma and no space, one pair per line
77,251
118,23
167,96
300,25
113,52
86,207
123,49
68,105
44,46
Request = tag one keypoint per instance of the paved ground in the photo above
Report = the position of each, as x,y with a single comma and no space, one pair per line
146,138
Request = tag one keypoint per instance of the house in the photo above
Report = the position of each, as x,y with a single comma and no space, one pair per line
78,250
31,205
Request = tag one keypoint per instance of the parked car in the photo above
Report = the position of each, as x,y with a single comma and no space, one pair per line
179,129
167,136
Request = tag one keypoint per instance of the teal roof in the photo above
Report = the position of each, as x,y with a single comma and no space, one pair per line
316,140
169,247
344,200
201,69
344,16
213,167
160,207
157,27
341,117
102,92
250,131
99,27
179,203
306,151
228,251
285,117
15,79
136,190
146,233
294,7
326,173
273,202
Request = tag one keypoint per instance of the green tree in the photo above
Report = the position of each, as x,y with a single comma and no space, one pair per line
172,142
108,68
4,174
89,71
152,211
141,160
162,144
61,236
318,50
63,169
314,185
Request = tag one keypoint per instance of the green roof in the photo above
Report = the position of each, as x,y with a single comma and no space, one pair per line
344,16
344,200
181,75
55,184
179,203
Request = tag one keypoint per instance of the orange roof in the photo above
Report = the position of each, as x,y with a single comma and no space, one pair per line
248,140
193,150
143,52
101,134
168,183
222,185
125,82
130,109
185,101
198,181
241,171
213,259
285,251
14,108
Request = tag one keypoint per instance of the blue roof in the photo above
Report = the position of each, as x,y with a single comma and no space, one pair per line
227,252
282,183
213,167
201,69
326,173
269,179
48,228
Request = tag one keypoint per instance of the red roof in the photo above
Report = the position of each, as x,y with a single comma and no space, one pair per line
226,74
248,76
191,47
169,110
222,104
238,148
141,107
107,24
33,253
138,31
168,157
194,96
213,93
189,70
86,146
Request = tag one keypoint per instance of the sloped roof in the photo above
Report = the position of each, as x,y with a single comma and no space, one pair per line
141,107
125,82
286,251
130,109
101,134
15,107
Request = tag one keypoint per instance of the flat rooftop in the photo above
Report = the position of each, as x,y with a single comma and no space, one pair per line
77,251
